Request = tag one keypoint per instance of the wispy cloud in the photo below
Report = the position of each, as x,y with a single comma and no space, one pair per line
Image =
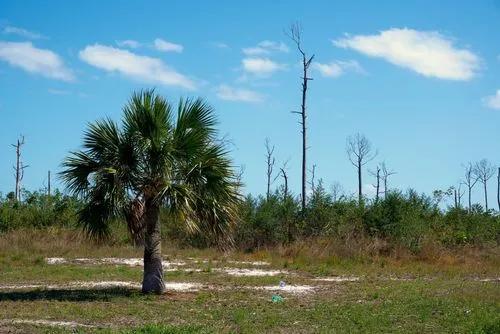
165,46
129,43
220,45
10,30
261,66
228,93
135,66
266,47
54,91
426,52
336,68
493,101
34,60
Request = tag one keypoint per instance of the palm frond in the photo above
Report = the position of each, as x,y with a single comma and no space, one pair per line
195,127
77,169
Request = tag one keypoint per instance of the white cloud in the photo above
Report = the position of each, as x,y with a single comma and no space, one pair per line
54,91
165,46
425,52
129,43
22,32
265,47
228,93
261,66
493,101
220,45
336,68
38,61
135,66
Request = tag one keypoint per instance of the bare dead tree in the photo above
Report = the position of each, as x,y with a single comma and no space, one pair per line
498,189
483,170
313,176
359,151
336,190
376,174
458,194
239,176
295,34
270,161
385,177
48,183
284,175
469,181
288,221
19,167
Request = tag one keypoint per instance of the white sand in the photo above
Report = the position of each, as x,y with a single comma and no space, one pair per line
132,262
250,272
337,279
294,289
52,323
492,279
174,286
250,263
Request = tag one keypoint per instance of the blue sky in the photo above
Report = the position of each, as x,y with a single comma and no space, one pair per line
421,80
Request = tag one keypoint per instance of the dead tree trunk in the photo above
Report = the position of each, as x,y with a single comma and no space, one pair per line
498,189
485,196
285,183
385,176
359,151
19,168
377,176
469,181
48,183
455,198
270,164
483,170
295,35
313,177
360,187
288,222
460,195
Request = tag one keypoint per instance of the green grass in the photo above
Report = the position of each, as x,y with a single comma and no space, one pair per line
442,298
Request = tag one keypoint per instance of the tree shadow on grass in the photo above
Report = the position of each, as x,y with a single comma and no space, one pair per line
73,295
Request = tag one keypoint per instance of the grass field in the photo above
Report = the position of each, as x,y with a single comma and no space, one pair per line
323,293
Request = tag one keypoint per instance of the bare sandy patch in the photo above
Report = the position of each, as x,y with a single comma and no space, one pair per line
188,270
294,289
488,279
51,323
131,262
172,286
337,279
250,263
250,272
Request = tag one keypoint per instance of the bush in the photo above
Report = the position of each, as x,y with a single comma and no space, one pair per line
398,221
38,210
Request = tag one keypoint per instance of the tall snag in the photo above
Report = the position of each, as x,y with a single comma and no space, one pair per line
19,168
295,33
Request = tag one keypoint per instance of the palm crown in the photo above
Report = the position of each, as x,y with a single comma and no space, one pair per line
153,161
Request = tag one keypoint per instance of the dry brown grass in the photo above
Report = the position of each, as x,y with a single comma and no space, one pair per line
317,255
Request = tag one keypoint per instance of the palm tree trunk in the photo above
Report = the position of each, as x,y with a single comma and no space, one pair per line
153,270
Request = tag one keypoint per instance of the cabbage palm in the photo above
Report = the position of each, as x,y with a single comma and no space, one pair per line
153,161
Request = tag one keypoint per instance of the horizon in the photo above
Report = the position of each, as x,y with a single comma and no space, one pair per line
419,80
